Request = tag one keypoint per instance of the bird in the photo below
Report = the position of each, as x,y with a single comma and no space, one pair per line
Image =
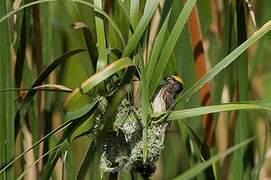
162,101
164,97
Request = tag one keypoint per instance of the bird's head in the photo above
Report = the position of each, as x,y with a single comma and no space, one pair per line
176,82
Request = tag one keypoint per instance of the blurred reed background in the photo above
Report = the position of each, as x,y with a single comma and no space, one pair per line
54,57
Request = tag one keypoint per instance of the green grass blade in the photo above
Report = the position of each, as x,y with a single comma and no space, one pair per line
90,41
145,105
226,61
101,40
149,10
158,44
55,154
66,140
170,44
196,169
38,160
81,111
242,131
203,149
94,80
60,128
186,113
110,20
43,76
21,48
6,98
44,87
134,12
125,11
86,162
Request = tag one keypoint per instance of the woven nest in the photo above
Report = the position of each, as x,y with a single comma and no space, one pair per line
123,148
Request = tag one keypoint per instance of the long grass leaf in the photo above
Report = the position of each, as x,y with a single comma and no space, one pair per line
134,12
125,11
43,76
38,160
226,61
70,120
149,10
77,1
242,130
101,40
171,42
44,87
90,42
94,80
203,148
145,106
66,138
60,128
186,113
6,98
158,44
86,161
197,168
20,54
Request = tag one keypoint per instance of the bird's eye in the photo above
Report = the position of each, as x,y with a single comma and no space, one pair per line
169,79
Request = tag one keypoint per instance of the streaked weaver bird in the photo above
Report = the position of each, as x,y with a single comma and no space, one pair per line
165,95
162,101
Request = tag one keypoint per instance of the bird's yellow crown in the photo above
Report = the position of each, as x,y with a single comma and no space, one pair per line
179,79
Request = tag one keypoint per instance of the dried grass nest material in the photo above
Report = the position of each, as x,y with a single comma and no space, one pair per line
122,150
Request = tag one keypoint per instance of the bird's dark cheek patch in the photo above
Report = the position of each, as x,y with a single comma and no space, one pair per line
178,90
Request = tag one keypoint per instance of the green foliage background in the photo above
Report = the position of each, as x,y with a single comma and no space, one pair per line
81,49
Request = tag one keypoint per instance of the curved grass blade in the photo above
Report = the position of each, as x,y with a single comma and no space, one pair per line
171,42
60,128
186,113
145,105
94,80
34,163
226,61
52,87
262,156
158,44
44,87
90,42
86,162
101,39
204,150
55,154
86,125
43,76
242,130
81,111
7,147
20,52
127,15
110,20
134,12
66,139
196,169
71,119
149,10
